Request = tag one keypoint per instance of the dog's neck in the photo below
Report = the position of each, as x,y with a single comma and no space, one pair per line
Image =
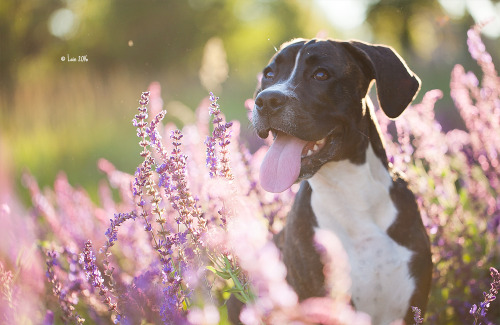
361,186
355,191
376,140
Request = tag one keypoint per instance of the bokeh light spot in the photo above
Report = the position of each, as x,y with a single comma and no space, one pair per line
344,14
63,23
484,11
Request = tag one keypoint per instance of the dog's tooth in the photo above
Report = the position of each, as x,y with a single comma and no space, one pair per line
320,142
315,147
309,152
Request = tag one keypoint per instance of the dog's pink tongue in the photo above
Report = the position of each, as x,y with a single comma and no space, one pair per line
281,165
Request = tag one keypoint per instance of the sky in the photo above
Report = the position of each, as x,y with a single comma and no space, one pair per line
350,14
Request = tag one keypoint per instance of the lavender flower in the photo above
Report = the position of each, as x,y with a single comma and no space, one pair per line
112,235
171,306
49,318
143,182
211,143
112,232
65,302
479,311
88,262
6,294
477,49
221,135
417,313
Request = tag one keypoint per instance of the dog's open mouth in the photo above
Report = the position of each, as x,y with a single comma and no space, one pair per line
312,147
281,165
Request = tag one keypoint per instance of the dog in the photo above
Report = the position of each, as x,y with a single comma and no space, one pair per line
313,99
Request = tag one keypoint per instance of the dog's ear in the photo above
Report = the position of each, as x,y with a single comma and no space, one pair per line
397,85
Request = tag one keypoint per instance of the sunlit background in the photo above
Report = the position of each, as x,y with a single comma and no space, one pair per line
71,71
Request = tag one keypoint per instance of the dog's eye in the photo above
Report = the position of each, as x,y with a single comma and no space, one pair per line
268,74
321,74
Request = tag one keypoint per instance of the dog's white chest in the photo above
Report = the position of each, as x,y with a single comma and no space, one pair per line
353,202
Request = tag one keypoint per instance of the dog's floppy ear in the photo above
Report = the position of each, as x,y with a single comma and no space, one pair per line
397,85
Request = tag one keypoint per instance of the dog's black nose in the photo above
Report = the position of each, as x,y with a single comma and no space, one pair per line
270,101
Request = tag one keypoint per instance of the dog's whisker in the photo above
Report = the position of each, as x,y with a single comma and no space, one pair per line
275,49
363,134
298,84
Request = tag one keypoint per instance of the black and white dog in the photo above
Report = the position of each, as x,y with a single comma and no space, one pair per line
313,100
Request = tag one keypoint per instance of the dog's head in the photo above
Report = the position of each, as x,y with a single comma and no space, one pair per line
312,100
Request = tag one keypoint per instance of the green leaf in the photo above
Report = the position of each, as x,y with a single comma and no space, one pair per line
233,290
240,297
224,275
211,269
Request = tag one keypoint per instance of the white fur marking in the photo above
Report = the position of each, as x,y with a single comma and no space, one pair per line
353,202
286,86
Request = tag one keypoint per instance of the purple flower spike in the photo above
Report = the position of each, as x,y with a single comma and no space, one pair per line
218,162
144,98
87,259
417,313
479,312
65,301
93,274
112,232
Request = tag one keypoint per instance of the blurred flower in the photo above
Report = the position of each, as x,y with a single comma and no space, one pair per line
155,98
209,315
214,68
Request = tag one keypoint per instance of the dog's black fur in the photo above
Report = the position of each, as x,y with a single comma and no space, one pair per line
326,97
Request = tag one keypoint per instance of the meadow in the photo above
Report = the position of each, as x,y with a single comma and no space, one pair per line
168,241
